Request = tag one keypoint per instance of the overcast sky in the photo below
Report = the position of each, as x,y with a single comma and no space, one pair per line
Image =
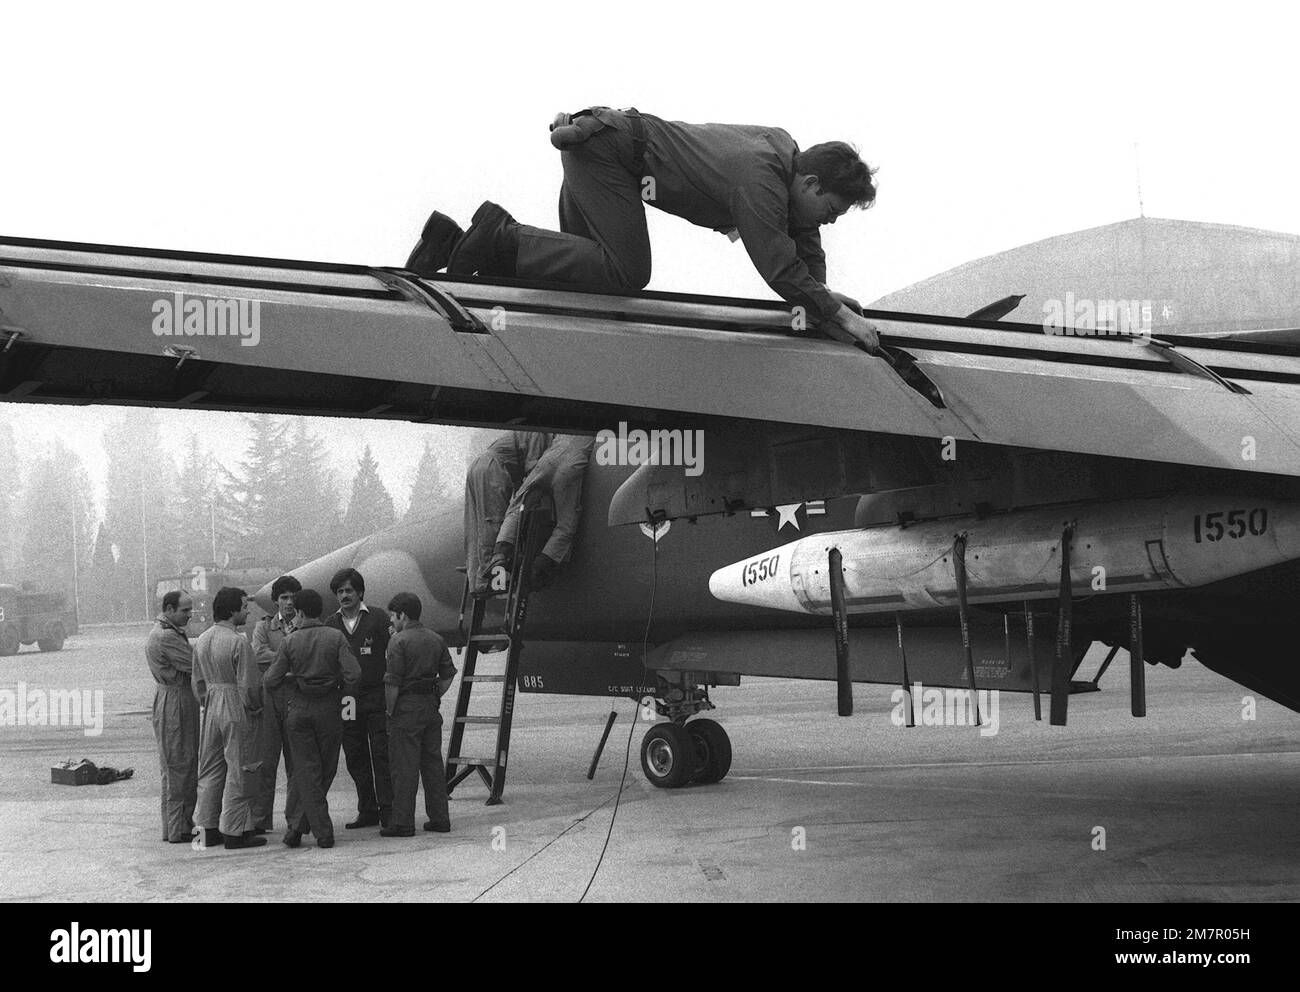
328,132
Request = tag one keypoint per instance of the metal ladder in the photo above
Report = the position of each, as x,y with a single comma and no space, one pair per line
533,527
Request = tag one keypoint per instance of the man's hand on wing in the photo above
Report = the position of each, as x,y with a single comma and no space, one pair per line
848,301
857,328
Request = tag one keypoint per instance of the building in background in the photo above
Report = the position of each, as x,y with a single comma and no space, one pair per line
1195,278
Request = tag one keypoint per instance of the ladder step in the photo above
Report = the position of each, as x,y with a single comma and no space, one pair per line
468,762
502,639
482,678
478,719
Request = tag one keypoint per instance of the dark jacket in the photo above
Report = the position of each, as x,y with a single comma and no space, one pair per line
313,654
369,643
418,658
738,176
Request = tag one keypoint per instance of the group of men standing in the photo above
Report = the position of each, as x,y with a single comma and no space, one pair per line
227,707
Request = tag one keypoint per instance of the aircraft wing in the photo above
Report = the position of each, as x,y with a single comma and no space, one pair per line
103,324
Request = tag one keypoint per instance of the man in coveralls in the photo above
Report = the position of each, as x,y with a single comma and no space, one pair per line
229,688
490,482
316,665
560,472
420,670
752,183
175,716
268,635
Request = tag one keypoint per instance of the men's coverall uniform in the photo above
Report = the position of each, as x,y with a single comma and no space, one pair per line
734,178
491,480
417,660
229,686
558,472
268,635
365,739
316,666
176,727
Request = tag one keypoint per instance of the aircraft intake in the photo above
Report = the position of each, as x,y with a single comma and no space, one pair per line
1118,547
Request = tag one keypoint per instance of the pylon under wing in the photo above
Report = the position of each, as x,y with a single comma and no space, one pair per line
81,324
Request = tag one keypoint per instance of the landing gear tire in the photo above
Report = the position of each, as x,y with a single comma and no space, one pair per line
53,640
668,756
713,750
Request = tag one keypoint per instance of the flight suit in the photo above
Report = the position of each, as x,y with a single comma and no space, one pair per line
558,472
491,480
228,685
417,660
268,635
365,738
316,666
734,178
175,726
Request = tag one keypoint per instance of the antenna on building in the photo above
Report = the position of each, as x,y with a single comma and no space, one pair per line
1137,168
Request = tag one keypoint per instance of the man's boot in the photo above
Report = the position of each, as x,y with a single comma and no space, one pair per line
236,842
437,241
490,246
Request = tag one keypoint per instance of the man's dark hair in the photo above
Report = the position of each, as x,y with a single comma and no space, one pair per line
407,603
227,602
172,600
839,170
309,601
285,583
348,576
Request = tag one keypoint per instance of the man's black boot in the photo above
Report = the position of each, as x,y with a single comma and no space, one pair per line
490,246
236,842
437,242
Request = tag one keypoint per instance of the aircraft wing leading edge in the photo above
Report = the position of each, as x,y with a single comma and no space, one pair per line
86,324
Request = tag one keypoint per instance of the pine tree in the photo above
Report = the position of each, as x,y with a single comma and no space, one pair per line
138,509
429,492
58,525
202,502
314,527
102,592
262,489
371,508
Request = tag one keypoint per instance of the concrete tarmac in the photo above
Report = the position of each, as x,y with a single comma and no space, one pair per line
1197,801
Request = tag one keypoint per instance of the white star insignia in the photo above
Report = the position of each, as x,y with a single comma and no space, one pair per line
788,514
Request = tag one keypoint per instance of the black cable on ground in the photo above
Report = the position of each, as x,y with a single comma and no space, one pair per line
585,816
645,671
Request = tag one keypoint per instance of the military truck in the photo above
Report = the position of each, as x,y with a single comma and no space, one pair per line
29,615
202,582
